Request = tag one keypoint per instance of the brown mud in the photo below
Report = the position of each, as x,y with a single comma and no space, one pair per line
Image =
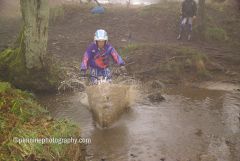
151,27
191,124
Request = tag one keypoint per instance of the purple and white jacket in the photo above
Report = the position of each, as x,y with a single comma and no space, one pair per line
100,59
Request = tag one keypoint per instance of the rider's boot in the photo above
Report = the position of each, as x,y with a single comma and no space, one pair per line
179,37
189,37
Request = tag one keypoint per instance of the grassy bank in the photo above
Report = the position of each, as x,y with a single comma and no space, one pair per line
22,117
169,63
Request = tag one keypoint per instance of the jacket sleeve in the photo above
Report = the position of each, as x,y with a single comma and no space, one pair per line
85,59
116,57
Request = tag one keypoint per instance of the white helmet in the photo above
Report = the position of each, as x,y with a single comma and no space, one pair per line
101,35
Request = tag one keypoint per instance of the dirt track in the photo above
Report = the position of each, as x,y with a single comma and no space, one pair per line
69,35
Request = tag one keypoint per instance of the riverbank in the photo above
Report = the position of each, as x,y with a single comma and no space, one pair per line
21,117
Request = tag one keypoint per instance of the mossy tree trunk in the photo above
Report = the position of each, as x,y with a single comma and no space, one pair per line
35,15
25,66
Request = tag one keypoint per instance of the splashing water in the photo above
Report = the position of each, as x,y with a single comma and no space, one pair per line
108,101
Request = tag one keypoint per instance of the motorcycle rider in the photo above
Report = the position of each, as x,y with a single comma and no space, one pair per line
97,57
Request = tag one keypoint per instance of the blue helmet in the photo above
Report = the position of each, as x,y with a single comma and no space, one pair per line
101,35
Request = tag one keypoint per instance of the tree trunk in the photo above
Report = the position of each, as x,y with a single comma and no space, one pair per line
25,66
35,15
201,13
97,2
128,3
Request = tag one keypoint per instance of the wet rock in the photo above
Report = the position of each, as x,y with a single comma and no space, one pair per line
229,143
162,159
156,97
133,155
199,132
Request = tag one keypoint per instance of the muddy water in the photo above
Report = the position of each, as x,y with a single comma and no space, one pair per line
134,2
192,124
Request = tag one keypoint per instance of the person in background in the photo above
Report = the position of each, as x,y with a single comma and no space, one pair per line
188,14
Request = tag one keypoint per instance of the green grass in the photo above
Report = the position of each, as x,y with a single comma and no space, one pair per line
216,34
191,59
22,117
4,87
175,60
223,24
170,8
